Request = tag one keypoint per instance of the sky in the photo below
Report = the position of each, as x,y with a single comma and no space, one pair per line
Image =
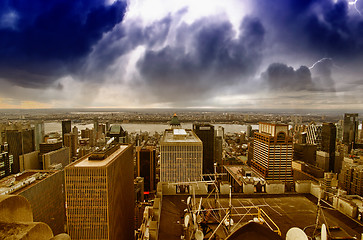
250,54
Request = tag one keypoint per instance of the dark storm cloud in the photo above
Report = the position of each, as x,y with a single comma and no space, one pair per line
319,28
207,57
43,40
280,77
322,72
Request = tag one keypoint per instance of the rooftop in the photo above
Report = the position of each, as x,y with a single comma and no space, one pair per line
86,162
17,183
180,135
286,211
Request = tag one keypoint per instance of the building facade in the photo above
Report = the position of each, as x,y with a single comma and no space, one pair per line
99,195
272,152
181,156
146,166
328,139
205,132
350,129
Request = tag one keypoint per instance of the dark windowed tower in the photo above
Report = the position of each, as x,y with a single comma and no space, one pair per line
350,130
66,128
146,166
205,132
328,137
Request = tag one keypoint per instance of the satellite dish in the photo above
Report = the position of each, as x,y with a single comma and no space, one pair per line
324,235
186,220
198,235
296,234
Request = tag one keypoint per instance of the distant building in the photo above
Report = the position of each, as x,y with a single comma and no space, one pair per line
205,132
70,140
174,122
328,140
181,156
272,154
100,195
146,166
20,142
314,135
38,134
305,153
66,128
118,133
49,147
351,176
350,129
5,161
57,159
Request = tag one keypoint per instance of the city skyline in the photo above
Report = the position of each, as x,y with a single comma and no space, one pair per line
182,54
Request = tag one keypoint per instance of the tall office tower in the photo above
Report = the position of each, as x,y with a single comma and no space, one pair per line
88,133
340,126
272,152
20,142
75,132
313,135
350,130
118,133
205,132
66,128
71,142
249,131
218,147
181,157
100,195
328,139
95,125
174,122
38,134
146,166
5,164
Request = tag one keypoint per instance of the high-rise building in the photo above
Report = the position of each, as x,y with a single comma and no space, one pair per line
71,142
328,139
5,161
66,128
351,176
49,147
45,192
181,156
313,135
205,132
20,142
118,133
174,122
38,134
146,166
350,130
100,195
272,152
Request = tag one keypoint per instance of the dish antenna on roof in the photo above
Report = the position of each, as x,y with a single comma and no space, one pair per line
296,234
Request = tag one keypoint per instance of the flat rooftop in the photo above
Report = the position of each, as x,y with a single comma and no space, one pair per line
17,183
85,162
286,211
179,136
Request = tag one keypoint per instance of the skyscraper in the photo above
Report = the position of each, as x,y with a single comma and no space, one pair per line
314,135
181,156
205,132
66,128
272,153
350,130
38,134
71,142
100,195
20,142
146,166
328,139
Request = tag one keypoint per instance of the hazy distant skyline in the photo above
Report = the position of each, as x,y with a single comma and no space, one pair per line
252,54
